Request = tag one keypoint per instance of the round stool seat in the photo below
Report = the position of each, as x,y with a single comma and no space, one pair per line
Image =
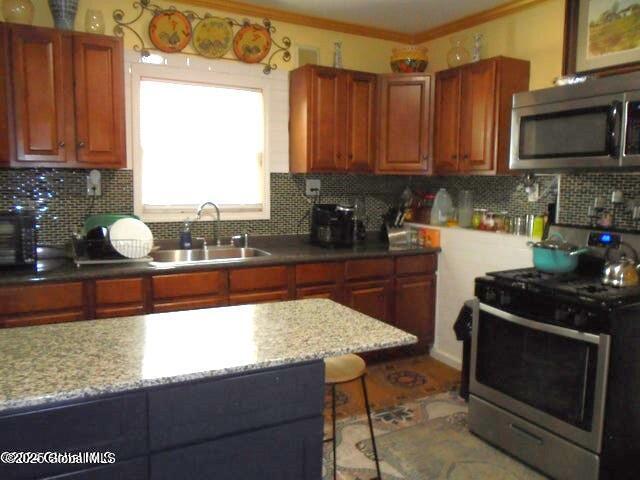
344,368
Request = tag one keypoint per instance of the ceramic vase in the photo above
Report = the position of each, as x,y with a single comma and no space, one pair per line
18,11
457,55
64,13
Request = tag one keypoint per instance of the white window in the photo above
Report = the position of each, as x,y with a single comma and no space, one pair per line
200,136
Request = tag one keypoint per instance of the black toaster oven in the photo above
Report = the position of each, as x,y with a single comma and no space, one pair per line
18,242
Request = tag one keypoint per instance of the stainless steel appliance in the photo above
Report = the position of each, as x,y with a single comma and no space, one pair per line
555,365
335,226
18,243
595,124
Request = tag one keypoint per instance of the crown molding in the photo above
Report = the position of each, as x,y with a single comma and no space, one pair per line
469,21
473,20
299,19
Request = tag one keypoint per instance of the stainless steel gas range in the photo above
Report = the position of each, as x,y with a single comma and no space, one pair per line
555,365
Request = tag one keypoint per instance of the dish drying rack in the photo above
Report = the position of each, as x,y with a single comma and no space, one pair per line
130,249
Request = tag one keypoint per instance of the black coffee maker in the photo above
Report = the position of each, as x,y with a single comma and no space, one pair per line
335,226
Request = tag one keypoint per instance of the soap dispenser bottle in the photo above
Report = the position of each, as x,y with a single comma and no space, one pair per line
186,241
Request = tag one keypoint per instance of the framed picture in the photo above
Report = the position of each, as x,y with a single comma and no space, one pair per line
601,37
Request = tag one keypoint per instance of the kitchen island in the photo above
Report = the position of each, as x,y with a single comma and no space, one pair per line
225,393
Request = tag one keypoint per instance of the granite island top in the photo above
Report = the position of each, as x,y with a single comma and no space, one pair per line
284,249
80,360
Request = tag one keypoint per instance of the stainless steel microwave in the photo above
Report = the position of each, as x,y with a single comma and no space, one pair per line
595,124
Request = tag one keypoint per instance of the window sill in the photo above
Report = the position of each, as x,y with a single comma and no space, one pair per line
167,217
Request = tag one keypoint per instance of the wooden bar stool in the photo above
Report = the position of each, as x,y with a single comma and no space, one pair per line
344,369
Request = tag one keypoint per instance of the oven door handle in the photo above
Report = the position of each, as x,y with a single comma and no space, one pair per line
543,327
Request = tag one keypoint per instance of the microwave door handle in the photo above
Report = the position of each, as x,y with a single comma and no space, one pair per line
613,128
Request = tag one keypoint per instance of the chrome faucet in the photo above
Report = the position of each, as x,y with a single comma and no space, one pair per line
217,228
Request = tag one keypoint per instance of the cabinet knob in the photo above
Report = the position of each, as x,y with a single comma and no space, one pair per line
350,156
425,157
339,156
80,144
466,157
453,157
61,144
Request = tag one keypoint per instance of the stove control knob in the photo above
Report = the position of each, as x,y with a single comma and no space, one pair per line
505,299
581,319
490,295
562,314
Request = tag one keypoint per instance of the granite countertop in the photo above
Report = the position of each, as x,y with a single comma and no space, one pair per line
284,249
60,362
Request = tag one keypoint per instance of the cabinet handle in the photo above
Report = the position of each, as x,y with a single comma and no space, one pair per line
61,144
350,156
80,144
466,157
453,157
339,156
425,157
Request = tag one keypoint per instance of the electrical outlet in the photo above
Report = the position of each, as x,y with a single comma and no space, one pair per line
94,184
312,187
533,192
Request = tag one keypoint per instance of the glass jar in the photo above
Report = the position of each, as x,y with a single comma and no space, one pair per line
489,221
477,218
457,54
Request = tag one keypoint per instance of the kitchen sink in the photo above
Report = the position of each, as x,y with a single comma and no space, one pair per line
210,254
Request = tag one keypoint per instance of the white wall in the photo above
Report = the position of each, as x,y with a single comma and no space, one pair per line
467,254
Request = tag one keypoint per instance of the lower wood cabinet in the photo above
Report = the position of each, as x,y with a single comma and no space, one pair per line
373,298
397,290
415,307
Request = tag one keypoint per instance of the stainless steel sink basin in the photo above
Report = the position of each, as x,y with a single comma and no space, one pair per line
210,254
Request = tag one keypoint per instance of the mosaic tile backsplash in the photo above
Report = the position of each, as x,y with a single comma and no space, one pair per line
60,198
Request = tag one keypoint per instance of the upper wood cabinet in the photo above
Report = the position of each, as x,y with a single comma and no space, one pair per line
65,104
404,124
473,115
332,120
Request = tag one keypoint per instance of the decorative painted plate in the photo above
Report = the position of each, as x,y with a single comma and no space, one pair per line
170,31
252,43
212,37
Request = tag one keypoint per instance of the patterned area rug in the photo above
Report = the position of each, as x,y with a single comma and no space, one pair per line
423,439
393,382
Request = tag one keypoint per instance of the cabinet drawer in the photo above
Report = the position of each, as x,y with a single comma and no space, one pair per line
258,297
368,268
119,290
265,278
317,273
117,425
210,409
43,318
188,284
39,298
416,264
332,292
286,452
188,304
133,469
119,297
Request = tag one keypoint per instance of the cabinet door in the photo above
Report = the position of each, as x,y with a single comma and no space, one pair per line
327,120
405,112
371,298
414,307
6,120
99,98
361,98
477,118
447,121
43,96
189,291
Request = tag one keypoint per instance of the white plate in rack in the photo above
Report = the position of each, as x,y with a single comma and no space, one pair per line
131,238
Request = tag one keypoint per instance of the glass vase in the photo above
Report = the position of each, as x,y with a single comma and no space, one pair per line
94,22
18,11
457,54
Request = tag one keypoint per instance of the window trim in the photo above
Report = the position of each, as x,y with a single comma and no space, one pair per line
196,72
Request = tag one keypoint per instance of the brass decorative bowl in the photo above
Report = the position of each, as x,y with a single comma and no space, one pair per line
409,60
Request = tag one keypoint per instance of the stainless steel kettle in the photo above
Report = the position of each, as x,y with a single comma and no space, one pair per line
622,272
